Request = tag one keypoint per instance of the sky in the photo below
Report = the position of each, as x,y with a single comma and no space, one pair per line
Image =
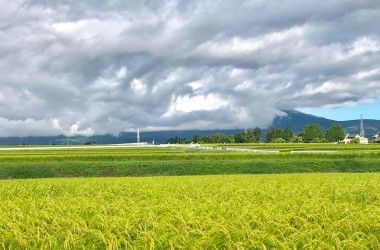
94,67
369,110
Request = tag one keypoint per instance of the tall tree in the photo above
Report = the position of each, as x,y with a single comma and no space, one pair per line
272,134
257,133
196,138
216,138
335,133
240,137
287,133
313,133
250,136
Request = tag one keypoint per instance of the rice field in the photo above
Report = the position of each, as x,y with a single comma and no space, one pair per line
289,211
108,162
191,199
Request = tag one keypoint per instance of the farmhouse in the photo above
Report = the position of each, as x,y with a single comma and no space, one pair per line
349,137
376,137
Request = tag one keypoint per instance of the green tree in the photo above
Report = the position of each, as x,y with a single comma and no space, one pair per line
250,136
240,137
205,139
177,140
229,139
313,133
216,138
335,133
273,133
287,133
257,134
213,138
197,138
296,137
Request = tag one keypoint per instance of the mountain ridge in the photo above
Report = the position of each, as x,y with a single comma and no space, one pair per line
298,120
295,118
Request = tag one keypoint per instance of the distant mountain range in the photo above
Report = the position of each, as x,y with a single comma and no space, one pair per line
296,119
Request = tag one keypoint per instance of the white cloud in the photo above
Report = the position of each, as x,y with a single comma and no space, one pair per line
121,73
364,45
71,129
367,73
92,30
138,86
238,46
194,103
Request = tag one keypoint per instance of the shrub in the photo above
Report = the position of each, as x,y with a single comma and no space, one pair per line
355,141
279,140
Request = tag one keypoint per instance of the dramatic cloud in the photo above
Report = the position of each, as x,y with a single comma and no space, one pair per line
85,67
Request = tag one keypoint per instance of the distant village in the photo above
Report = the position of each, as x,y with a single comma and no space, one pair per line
312,133
360,138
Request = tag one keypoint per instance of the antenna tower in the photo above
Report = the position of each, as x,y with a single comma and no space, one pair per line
361,127
138,135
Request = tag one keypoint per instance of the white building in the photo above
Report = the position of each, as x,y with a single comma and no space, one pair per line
376,137
349,137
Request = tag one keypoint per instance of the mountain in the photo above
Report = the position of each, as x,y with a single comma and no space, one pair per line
296,119
124,137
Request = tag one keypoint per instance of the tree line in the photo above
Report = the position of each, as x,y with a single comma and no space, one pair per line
312,133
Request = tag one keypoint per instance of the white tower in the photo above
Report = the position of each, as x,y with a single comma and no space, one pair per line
362,127
138,135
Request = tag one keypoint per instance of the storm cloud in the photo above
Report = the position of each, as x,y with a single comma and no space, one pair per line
93,67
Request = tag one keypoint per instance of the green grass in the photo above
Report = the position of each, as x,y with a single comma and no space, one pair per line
94,162
296,211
